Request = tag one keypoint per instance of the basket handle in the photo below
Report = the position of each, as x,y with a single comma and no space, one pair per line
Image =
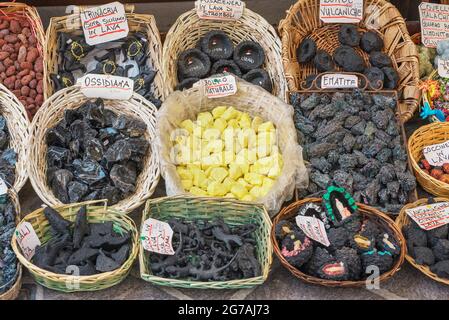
129,8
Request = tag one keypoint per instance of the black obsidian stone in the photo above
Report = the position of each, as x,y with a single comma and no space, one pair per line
193,63
229,66
217,45
349,35
259,77
323,61
186,83
306,51
371,41
249,55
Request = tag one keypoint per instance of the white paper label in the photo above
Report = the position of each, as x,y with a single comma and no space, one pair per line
341,11
339,81
313,228
443,68
104,23
27,239
106,86
3,187
219,9
157,237
437,154
221,86
434,23
430,216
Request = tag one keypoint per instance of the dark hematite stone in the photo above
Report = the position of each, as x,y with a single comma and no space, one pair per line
8,260
83,150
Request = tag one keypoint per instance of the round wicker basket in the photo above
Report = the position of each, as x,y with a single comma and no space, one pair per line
379,217
96,213
189,28
18,126
233,212
143,23
13,292
434,133
403,220
52,112
303,21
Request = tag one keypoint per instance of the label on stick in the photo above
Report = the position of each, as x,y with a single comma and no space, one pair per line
341,11
220,86
104,23
157,236
27,239
339,81
430,216
437,154
106,86
219,9
434,20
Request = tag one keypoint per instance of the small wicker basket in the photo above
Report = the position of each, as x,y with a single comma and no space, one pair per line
374,214
303,20
18,126
434,133
143,23
189,28
233,212
52,112
403,220
13,292
96,213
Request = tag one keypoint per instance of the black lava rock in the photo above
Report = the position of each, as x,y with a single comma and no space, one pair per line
423,255
391,78
249,55
323,61
371,41
306,51
193,63
186,83
441,269
349,35
217,45
229,66
348,59
379,59
259,77
441,250
375,76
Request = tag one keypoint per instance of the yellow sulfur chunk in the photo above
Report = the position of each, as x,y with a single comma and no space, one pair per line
263,165
197,191
184,173
208,170
217,112
199,177
205,119
266,126
191,167
211,134
247,137
257,121
228,183
256,192
244,183
187,125
247,197
238,190
228,137
254,179
215,146
205,183
220,124
228,157
197,130
245,121
274,172
187,184
216,189
267,183
233,123
229,195
235,171
218,174
213,160
229,114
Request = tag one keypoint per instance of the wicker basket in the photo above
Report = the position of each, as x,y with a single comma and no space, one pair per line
303,20
434,133
189,28
13,292
97,212
52,112
18,126
403,220
379,217
233,212
182,105
143,23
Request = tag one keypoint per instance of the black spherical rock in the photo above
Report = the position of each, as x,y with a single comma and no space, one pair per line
348,59
349,35
323,61
371,41
229,66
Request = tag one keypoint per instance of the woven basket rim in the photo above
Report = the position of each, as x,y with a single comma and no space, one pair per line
230,284
364,209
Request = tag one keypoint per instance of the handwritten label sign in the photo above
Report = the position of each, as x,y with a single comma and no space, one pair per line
443,68
219,9
157,237
27,239
3,187
339,81
220,86
341,11
437,154
313,228
106,86
104,23
434,23
430,216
